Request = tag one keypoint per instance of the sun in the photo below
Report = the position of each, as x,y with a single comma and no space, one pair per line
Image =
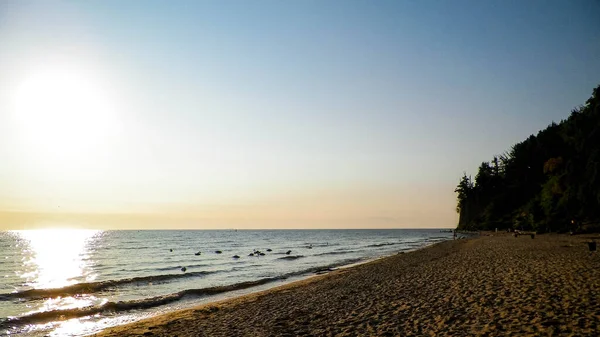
63,113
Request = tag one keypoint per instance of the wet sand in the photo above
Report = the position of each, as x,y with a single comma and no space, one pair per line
487,286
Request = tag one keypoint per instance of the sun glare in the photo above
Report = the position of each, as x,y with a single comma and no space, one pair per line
56,257
63,112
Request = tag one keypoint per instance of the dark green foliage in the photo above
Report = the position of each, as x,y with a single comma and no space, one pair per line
549,182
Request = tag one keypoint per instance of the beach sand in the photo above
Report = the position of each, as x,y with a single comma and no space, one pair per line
487,286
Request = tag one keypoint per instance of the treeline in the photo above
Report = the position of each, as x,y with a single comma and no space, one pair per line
549,182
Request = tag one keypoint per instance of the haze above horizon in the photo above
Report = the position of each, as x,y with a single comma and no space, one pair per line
307,114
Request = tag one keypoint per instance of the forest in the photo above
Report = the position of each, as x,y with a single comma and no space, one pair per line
549,182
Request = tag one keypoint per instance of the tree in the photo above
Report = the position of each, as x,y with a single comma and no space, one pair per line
547,182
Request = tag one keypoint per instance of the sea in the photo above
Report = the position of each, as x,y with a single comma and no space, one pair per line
75,282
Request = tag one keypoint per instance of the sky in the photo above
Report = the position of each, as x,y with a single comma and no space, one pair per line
274,114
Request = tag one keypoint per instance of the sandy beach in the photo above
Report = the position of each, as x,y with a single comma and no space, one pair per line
487,286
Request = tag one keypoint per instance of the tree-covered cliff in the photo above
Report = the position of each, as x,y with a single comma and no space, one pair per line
549,182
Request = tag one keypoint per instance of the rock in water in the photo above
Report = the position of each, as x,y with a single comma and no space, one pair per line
592,246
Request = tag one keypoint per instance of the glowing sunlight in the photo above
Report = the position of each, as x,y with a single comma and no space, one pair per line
56,257
62,113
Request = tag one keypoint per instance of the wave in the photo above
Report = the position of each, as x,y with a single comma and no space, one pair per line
134,247
336,252
319,244
146,303
92,287
328,267
179,267
384,244
290,257
416,241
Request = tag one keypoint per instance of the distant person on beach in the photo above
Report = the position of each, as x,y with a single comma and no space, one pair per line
454,231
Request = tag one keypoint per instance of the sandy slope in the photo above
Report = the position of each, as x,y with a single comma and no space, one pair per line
492,286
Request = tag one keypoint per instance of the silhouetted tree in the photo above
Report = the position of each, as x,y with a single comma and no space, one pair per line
548,182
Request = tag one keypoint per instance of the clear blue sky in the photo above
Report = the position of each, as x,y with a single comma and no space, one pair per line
278,113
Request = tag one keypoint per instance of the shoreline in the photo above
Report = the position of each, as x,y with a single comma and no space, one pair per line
135,296
212,306
226,298
269,286
493,285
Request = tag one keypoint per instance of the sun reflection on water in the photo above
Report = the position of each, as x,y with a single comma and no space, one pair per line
56,258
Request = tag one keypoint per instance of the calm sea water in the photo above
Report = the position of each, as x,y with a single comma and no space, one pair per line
76,282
